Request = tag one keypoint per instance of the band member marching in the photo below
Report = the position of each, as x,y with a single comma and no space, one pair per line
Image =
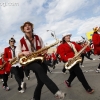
54,59
4,71
28,44
96,43
67,51
47,60
16,69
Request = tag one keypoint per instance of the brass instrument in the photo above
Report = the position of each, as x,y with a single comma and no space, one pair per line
35,55
76,58
2,68
14,61
24,60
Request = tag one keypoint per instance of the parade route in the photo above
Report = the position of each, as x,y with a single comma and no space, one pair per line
76,92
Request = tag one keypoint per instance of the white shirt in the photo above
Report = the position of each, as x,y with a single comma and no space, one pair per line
17,64
19,48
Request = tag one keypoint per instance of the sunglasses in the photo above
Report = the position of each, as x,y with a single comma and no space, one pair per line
12,41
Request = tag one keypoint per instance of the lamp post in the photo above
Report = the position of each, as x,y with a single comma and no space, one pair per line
51,31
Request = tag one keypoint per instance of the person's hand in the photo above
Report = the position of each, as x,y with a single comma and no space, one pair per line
70,59
25,53
44,52
9,59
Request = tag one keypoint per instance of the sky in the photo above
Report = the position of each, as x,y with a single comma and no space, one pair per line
58,16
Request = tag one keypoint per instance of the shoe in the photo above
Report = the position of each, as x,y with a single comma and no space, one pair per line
28,77
4,87
90,91
23,85
11,76
50,71
64,72
82,66
67,83
54,67
97,70
21,91
60,95
7,88
2,81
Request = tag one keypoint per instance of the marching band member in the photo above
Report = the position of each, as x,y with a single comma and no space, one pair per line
96,43
28,44
67,51
16,69
4,71
47,61
54,59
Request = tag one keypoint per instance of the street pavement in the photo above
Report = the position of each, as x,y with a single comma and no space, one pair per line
76,92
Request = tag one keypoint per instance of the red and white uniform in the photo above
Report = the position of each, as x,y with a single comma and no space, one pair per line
88,49
96,43
66,51
47,56
5,70
8,55
53,56
24,44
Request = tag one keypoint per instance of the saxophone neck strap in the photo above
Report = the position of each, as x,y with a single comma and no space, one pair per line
72,47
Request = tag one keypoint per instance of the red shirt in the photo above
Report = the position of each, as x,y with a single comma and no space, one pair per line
7,56
96,43
53,56
5,67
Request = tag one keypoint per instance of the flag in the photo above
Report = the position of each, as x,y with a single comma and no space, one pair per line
89,35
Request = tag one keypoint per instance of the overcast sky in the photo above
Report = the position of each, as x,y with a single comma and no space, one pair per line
61,16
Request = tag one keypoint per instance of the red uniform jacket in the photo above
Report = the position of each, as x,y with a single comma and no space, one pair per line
96,43
88,49
5,67
53,56
7,56
47,56
67,52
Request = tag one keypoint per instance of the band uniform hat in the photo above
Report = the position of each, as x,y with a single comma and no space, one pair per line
22,27
95,29
65,34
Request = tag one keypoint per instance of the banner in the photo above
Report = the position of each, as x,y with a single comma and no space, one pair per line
89,35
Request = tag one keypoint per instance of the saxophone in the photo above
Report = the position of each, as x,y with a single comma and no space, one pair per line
76,59
35,55
3,65
14,61
23,60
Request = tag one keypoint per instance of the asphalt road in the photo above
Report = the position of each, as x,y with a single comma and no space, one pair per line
76,92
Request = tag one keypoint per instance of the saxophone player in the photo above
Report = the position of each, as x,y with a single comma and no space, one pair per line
67,50
4,71
28,44
96,43
16,69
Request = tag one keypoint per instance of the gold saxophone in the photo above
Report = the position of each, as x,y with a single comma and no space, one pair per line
23,60
76,59
14,61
